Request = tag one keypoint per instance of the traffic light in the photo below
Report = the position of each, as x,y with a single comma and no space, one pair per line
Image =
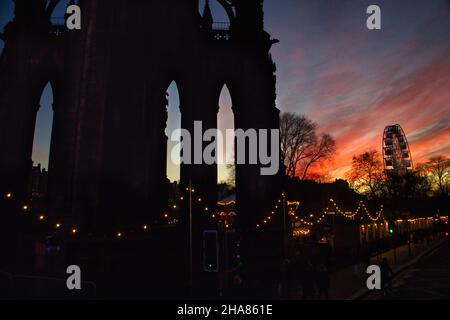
234,251
210,251
391,228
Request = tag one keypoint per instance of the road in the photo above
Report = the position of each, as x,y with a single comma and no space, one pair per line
428,279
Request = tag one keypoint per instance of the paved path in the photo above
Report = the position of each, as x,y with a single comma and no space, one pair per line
428,278
350,282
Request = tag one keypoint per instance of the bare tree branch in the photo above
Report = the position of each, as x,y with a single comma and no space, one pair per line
301,148
366,175
438,171
322,150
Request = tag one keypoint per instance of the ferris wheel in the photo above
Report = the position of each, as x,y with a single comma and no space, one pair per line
396,153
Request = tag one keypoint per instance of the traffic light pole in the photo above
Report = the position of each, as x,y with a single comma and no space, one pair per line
191,269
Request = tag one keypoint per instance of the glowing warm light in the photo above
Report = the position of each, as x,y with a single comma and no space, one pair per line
145,227
181,198
174,206
41,217
166,215
58,225
119,234
199,199
206,209
74,231
8,195
25,207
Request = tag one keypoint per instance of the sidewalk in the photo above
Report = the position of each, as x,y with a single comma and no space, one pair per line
350,283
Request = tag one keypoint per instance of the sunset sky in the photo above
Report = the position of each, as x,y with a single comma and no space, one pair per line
351,81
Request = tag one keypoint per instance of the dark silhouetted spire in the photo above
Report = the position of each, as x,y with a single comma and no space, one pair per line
207,17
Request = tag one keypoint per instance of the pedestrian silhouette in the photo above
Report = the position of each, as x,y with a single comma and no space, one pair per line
386,277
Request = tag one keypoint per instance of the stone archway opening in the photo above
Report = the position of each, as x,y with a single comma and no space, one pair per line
41,144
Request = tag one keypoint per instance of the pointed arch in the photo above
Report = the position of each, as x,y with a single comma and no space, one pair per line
225,121
173,123
221,11
43,128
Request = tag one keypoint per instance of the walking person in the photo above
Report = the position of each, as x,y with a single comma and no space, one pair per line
386,278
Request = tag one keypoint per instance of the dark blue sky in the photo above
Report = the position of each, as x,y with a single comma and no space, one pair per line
350,80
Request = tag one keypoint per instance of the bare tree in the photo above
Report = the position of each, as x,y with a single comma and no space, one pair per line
438,171
301,148
297,136
367,174
322,149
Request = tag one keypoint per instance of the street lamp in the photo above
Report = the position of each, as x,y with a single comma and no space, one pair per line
191,267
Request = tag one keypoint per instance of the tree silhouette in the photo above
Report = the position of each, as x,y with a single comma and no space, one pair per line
301,147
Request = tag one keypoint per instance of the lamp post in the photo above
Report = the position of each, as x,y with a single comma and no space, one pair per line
191,269
284,224
333,214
